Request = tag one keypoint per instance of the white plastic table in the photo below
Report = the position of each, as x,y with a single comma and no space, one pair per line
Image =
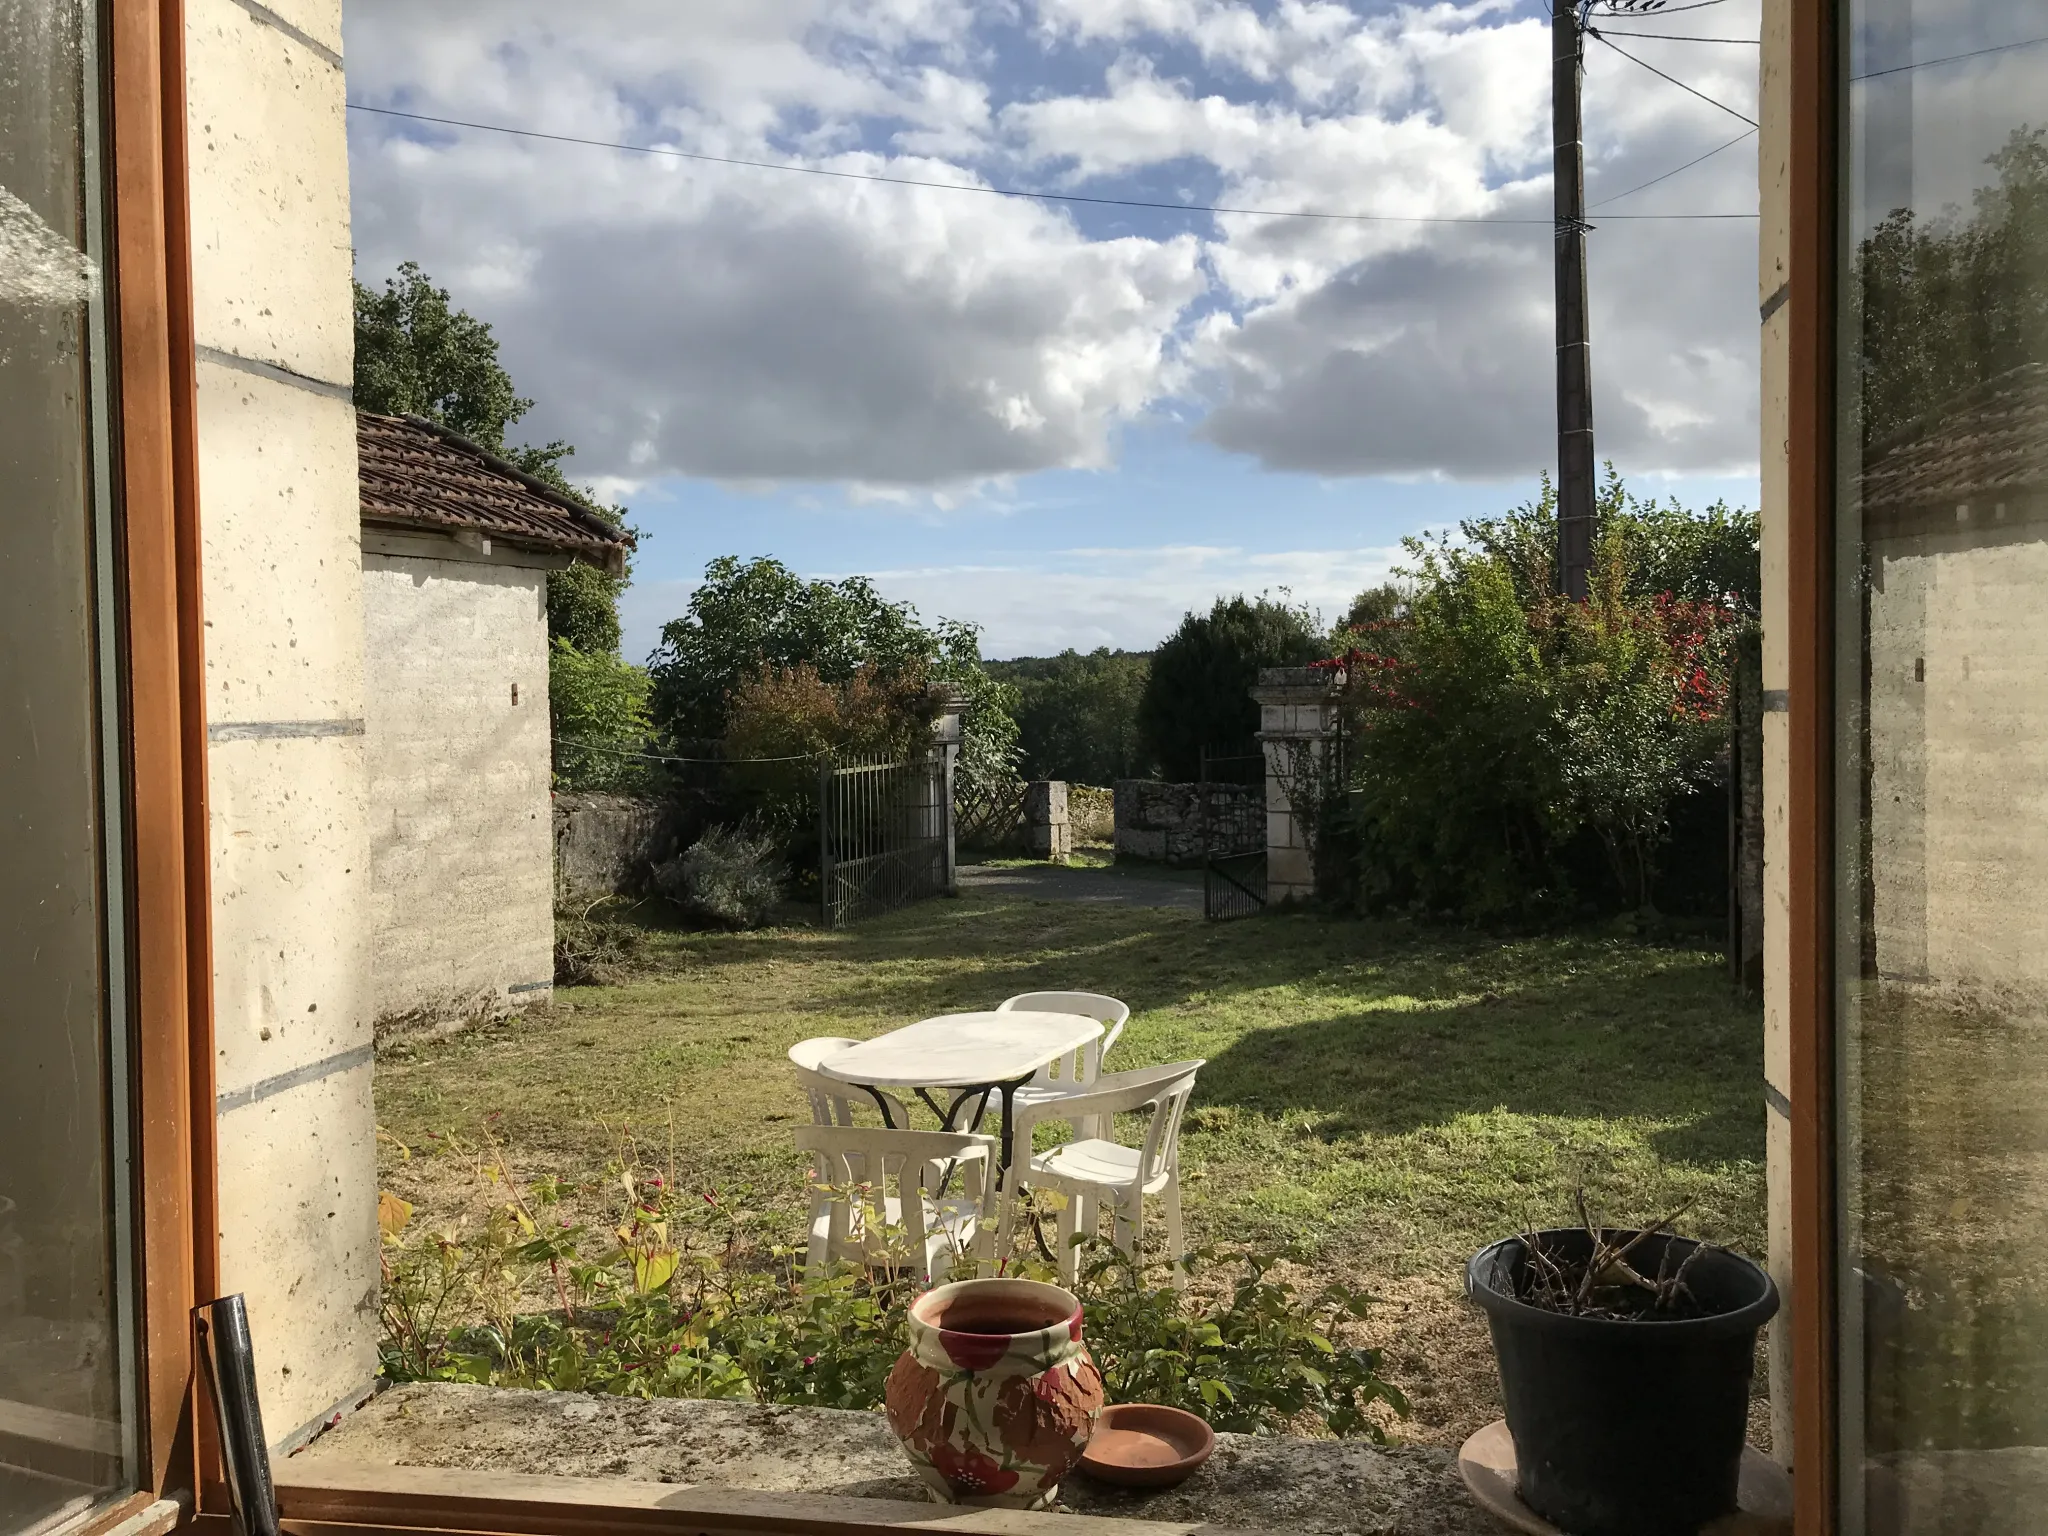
970,1053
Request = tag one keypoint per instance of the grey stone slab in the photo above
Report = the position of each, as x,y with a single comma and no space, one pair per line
1315,1487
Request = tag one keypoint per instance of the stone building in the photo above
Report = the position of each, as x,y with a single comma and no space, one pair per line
457,544
1955,518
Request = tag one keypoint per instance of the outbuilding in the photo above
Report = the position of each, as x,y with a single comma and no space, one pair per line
457,547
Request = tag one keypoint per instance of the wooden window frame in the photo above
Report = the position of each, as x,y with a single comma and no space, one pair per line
1811,286
169,872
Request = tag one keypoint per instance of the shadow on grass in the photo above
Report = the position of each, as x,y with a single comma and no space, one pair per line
1649,1046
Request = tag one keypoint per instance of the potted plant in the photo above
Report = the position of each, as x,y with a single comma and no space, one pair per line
1625,1360
996,1397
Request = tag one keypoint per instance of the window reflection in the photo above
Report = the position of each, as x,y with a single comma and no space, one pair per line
65,1370
1943,745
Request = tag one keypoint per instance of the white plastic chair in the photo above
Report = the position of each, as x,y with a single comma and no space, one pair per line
832,1098
1093,1168
1069,1074
897,1175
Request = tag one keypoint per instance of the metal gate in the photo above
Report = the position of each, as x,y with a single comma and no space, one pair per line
885,835
1233,835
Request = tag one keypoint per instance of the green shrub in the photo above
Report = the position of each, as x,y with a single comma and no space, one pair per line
597,705
730,876
1498,730
685,1300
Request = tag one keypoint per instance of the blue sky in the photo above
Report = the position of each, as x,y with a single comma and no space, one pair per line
1066,423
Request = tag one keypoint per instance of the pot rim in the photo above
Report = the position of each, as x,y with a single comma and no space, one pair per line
1500,1305
1064,1328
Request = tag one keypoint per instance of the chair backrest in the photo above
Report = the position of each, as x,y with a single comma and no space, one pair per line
870,1164
1163,1090
832,1099
1087,1061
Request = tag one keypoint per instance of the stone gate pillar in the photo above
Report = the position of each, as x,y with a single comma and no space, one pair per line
1297,734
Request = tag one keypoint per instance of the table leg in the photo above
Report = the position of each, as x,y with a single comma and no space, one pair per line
882,1103
1009,1094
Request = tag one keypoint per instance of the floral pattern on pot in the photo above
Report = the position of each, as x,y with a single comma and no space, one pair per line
997,1395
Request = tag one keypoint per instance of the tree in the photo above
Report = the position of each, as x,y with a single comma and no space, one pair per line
1077,716
1943,304
757,619
749,614
595,697
1384,604
1708,556
417,354
1198,694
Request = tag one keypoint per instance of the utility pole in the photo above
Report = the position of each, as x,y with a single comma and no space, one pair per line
1575,506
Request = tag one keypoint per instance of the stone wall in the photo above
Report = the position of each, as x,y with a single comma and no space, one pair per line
286,775
604,844
1163,823
462,898
1958,750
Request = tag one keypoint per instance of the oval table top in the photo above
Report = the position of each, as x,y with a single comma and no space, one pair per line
958,1050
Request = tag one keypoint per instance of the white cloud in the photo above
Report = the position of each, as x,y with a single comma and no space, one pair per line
754,326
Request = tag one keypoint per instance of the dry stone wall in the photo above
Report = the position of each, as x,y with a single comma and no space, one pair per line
1163,823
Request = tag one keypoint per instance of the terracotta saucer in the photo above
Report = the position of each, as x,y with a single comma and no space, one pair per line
1142,1445
1487,1463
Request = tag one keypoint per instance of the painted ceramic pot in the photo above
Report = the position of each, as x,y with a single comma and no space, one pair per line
996,1397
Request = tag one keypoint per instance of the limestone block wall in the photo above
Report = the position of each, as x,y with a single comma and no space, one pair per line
461,837
284,687
1959,748
1297,728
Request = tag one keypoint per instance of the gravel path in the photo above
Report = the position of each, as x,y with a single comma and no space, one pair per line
1144,886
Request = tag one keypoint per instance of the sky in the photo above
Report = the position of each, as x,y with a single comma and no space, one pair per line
1066,422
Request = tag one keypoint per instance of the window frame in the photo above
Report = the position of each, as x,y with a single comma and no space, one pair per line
1810,136
164,707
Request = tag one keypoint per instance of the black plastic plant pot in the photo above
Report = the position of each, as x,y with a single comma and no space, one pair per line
1623,1426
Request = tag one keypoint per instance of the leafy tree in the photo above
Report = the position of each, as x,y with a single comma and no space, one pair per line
1709,556
417,354
595,697
754,619
1942,304
747,615
1077,716
1198,693
1383,604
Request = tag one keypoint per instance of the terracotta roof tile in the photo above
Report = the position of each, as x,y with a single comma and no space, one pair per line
1987,441
415,474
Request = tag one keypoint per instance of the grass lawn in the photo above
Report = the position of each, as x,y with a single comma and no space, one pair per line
1385,1100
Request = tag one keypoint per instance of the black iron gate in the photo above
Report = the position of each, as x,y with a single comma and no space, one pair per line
1233,835
885,835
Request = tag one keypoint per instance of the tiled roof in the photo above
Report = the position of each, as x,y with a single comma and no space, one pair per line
1989,441
415,474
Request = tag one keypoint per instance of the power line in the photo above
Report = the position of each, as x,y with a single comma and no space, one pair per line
654,757
1699,5
1683,37
1953,58
1632,191
1653,69
954,186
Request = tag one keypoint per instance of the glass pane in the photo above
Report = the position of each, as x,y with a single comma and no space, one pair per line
65,1346
1942,737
